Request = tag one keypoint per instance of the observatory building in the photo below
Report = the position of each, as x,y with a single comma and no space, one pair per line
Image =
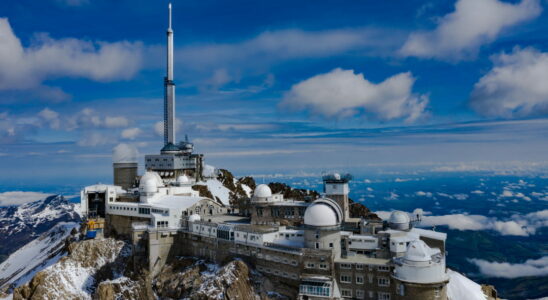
310,249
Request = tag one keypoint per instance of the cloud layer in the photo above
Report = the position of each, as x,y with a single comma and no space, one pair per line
342,93
18,197
474,23
531,267
515,87
46,58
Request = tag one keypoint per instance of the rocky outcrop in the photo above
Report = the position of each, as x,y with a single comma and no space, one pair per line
358,210
77,275
195,279
292,193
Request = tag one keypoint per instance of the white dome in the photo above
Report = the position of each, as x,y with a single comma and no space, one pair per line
399,217
418,251
262,191
149,185
320,214
149,175
194,218
183,179
337,176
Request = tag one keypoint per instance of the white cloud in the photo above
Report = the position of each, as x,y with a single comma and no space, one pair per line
478,192
515,86
474,23
46,58
93,139
131,133
517,225
531,267
18,198
124,153
342,93
116,122
50,117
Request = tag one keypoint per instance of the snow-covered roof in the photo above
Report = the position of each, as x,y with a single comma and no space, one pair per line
175,202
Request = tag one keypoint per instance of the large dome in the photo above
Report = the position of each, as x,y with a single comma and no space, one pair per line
418,251
399,217
183,179
150,181
321,214
262,191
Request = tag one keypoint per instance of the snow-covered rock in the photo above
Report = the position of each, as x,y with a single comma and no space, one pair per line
21,224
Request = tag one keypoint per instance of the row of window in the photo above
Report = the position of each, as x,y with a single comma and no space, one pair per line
361,267
113,207
159,211
381,281
360,294
311,265
162,224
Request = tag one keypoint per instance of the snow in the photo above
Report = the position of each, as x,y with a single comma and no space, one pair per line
23,264
248,191
462,288
218,190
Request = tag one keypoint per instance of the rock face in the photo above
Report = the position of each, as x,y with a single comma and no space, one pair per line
195,279
21,224
92,269
358,210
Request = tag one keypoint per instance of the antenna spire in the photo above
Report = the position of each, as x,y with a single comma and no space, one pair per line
169,8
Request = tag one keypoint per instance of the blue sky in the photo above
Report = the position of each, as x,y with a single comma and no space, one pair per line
276,87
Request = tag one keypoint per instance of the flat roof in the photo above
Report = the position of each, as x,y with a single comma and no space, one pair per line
360,259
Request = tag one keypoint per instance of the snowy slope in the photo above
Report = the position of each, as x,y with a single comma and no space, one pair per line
40,253
462,288
21,224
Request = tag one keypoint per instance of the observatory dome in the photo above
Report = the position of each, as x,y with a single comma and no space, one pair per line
262,191
150,178
183,179
418,251
149,185
194,218
320,214
399,220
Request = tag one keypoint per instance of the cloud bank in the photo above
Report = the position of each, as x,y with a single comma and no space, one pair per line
514,87
474,23
18,197
342,93
531,267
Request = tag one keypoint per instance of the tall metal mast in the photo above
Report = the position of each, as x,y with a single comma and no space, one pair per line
169,90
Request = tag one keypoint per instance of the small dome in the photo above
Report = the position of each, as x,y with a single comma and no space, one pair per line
399,217
320,214
194,218
262,191
183,179
418,251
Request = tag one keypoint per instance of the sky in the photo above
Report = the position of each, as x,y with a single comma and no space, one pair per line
275,87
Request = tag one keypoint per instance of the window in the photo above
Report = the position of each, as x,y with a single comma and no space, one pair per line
359,279
346,266
144,211
360,294
310,265
359,267
383,296
317,245
346,293
383,281
330,245
323,266
383,268
162,224
346,278
401,289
